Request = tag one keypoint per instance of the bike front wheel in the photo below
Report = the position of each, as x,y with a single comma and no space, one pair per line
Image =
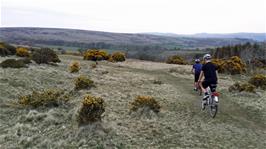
213,110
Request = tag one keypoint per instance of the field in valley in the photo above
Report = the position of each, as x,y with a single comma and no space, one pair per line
240,123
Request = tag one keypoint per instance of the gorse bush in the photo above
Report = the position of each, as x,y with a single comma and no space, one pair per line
218,63
258,80
95,55
176,60
234,65
247,87
22,52
6,49
145,102
12,63
83,82
117,57
74,67
91,110
45,55
49,97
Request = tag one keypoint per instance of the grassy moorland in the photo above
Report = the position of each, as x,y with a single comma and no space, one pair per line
180,123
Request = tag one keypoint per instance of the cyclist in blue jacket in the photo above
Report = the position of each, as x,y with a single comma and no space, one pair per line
196,69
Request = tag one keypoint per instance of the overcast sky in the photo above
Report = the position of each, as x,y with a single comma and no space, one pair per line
132,16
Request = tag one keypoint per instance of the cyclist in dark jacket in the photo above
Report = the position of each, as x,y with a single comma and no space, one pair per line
209,71
196,69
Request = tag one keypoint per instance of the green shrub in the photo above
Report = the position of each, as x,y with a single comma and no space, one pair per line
145,101
25,60
247,87
258,80
95,55
12,63
117,57
45,55
46,98
6,49
82,82
74,67
91,110
176,60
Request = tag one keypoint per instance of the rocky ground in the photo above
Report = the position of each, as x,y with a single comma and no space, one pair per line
240,123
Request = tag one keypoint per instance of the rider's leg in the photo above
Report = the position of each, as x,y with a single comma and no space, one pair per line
202,87
213,86
196,78
195,85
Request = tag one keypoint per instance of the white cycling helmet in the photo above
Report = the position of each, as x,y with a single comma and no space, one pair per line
207,57
197,60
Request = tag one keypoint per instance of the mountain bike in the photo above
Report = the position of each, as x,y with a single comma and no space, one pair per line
212,101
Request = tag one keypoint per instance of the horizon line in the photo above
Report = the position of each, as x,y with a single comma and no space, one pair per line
66,28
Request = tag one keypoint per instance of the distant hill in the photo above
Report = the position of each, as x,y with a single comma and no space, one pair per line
253,36
95,39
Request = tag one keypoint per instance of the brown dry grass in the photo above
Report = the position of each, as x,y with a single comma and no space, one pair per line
240,122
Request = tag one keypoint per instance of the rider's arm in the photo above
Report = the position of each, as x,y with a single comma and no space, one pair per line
201,76
217,76
192,70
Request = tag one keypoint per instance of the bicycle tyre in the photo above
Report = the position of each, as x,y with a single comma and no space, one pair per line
213,110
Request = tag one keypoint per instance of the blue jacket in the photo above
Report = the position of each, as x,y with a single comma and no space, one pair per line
197,68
